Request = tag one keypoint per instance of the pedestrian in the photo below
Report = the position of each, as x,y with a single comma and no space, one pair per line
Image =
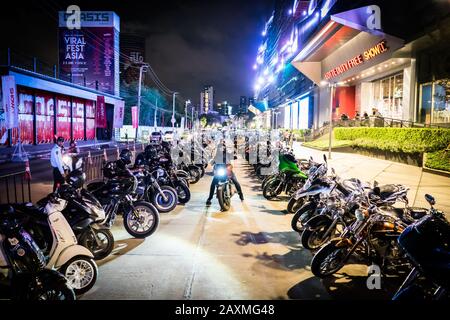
56,161
366,116
358,116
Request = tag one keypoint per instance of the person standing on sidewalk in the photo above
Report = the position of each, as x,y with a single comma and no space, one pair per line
57,163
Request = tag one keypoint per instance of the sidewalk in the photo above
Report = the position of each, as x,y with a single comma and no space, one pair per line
352,165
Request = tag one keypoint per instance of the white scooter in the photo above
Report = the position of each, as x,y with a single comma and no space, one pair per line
75,262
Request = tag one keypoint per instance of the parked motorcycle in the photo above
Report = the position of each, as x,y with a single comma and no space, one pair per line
426,243
289,179
118,196
23,264
85,215
164,198
372,236
53,234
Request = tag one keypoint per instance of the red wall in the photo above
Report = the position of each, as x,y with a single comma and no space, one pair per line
344,102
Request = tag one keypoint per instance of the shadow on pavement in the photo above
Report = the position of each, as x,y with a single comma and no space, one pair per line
345,287
121,247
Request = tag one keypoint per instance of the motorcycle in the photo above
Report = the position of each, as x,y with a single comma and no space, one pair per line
22,263
118,196
372,236
164,198
335,215
85,215
426,244
316,174
225,188
53,234
289,179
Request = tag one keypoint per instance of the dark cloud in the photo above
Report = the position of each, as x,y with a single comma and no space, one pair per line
189,43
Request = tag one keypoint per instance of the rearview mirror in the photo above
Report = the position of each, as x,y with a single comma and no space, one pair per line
430,199
333,171
375,184
325,158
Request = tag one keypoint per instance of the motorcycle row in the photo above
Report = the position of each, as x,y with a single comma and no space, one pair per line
346,220
48,249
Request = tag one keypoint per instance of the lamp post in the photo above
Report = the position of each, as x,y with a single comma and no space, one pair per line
142,68
173,111
185,113
332,86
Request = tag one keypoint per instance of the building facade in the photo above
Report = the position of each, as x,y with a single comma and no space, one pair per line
207,99
357,57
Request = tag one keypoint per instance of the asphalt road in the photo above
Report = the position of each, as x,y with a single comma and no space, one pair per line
199,252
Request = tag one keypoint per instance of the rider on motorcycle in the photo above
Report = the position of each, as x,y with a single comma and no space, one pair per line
231,176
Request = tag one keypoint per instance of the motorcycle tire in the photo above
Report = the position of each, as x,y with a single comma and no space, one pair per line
319,261
302,216
266,179
183,192
71,271
194,174
202,170
311,239
271,189
130,224
294,205
224,203
88,242
162,205
52,286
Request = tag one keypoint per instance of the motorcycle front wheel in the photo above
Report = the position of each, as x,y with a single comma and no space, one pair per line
272,189
183,192
143,222
302,216
168,204
194,174
90,241
313,239
295,204
329,260
224,200
81,273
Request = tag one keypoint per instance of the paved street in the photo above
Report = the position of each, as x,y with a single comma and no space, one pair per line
202,253
249,252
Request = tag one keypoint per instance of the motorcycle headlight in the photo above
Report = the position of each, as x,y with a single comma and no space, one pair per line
221,172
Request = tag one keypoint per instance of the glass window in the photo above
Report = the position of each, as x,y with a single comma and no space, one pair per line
388,96
435,102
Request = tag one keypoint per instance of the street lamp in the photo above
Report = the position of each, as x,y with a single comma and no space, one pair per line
185,113
332,86
173,111
142,68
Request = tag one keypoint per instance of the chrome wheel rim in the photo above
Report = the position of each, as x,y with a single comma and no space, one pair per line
141,221
79,274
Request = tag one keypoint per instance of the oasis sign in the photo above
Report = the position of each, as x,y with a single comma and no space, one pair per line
367,55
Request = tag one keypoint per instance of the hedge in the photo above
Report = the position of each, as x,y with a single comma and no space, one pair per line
407,140
439,160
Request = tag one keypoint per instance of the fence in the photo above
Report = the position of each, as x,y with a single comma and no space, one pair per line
15,188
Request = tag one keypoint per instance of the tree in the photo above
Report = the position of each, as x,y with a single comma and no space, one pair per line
149,96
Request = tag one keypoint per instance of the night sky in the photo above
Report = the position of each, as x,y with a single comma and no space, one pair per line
189,43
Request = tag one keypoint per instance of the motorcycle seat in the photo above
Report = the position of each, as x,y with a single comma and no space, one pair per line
386,190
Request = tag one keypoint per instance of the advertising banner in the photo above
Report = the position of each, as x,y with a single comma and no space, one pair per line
134,117
119,110
10,102
100,112
90,55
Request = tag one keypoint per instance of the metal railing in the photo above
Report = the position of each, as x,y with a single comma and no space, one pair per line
15,188
374,122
